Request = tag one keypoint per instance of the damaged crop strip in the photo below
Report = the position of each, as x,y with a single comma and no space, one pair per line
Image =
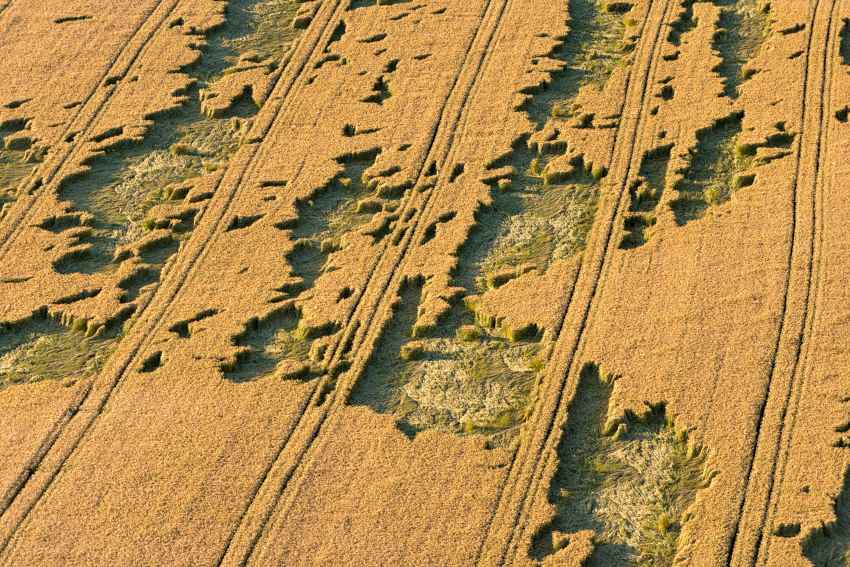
118,194
468,373
139,200
278,345
629,480
594,48
455,378
717,165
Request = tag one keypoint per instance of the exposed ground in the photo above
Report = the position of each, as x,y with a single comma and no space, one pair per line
415,282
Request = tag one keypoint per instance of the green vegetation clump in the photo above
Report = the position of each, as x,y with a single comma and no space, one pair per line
467,386
646,480
270,31
273,345
337,209
630,480
595,46
145,179
458,379
14,166
553,226
44,350
540,222
599,40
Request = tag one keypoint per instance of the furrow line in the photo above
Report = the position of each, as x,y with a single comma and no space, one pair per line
280,474
87,115
99,392
530,463
776,423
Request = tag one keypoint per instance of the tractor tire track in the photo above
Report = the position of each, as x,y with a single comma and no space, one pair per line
802,369
781,397
30,207
87,115
71,433
280,474
532,458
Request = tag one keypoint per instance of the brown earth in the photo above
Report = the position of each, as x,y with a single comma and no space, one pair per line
297,282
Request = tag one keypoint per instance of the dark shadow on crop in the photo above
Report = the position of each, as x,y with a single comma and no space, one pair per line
379,387
844,47
644,196
683,24
830,546
273,345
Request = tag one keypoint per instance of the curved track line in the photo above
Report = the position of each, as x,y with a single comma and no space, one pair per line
597,265
561,320
768,440
180,277
823,182
117,68
54,431
801,341
409,231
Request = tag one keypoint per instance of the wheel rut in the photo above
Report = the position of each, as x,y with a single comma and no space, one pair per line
781,397
531,459
301,439
72,429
